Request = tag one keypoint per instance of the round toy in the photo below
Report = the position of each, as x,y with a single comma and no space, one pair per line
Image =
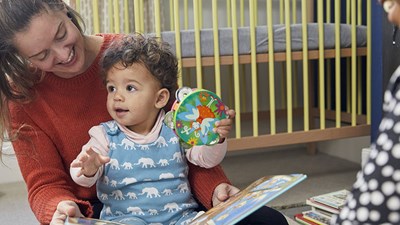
194,115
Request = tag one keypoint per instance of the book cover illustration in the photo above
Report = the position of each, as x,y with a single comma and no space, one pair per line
301,220
335,199
193,116
249,200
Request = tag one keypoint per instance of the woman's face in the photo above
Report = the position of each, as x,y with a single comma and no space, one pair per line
392,7
52,43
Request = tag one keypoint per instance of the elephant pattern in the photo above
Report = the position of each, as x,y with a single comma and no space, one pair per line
149,183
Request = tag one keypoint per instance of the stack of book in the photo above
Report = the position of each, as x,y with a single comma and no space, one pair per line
323,207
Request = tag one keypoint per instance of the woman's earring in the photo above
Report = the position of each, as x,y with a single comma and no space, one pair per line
32,66
395,28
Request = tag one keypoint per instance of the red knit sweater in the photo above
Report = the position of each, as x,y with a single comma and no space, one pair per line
57,122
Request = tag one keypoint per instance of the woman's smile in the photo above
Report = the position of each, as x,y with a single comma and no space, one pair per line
70,60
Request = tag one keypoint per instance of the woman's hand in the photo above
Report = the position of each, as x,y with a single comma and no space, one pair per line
223,192
64,209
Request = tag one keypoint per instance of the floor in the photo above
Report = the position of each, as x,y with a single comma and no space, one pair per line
325,174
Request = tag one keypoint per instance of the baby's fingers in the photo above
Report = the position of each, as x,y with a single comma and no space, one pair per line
223,123
76,163
91,153
104,159
230,112
99,159
223,131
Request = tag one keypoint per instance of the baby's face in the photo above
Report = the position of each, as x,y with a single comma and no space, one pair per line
132,96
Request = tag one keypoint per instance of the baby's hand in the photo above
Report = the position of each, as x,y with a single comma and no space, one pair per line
223,127
89,161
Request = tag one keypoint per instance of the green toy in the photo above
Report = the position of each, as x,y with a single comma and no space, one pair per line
193,116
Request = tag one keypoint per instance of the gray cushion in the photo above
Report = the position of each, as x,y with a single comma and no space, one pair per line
225,39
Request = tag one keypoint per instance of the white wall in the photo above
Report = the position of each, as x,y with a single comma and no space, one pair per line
349,149
9,170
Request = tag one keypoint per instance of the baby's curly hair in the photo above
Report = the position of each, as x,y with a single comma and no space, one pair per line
151,52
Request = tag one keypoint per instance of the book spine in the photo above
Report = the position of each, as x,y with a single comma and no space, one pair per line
316,217
321,206
314,220
300,218
301,221
321,211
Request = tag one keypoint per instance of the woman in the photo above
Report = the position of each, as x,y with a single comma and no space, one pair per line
51,95
375,198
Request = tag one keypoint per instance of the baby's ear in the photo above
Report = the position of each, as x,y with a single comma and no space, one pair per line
162,98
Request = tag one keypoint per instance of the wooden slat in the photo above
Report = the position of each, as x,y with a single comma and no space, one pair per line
345,117
297,137
279,57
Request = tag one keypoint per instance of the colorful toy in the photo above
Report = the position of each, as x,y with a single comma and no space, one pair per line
193,116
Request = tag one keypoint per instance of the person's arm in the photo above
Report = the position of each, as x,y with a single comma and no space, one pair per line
204,181
210,156
87,160
92,158
207,156
377,203
41,164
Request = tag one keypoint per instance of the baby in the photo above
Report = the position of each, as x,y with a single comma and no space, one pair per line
140,169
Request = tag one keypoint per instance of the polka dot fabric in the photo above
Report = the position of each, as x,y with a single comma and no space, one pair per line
375,197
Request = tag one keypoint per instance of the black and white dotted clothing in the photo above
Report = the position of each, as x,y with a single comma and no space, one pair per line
375,197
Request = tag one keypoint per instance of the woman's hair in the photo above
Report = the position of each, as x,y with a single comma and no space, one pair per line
17,76
151,52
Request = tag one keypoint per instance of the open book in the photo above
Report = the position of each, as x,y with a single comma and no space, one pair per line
256,195
248,200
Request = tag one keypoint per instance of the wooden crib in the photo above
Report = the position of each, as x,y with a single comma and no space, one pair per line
286,91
